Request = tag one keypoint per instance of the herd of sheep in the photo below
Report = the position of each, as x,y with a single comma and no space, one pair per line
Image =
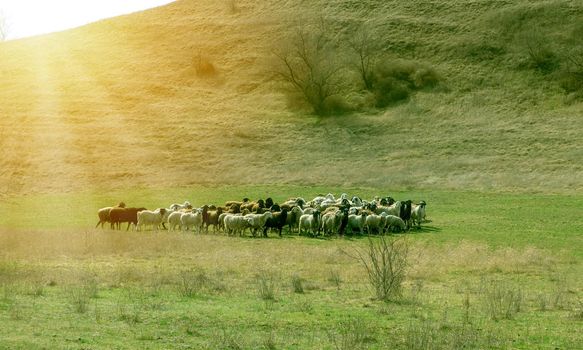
323,214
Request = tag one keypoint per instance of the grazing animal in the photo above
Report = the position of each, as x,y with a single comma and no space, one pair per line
103,214
174,220
293,217
235,223
119,215
185,205
405,213
375,223
257,221
191,220
211,217
276,221
150,218
394,223
356,221
418,213
310,223
331,222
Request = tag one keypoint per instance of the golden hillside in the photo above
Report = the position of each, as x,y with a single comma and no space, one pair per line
119,103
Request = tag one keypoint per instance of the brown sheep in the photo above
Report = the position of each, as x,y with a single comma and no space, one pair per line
103,214
211,217
119,215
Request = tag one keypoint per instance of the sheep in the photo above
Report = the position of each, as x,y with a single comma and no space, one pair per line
309,211
418,213
103,214
310,223
148,217
257,221
393,222
293,217
176,206
255,206
356,201
375,223
394,209
343,220
405,213
211,217
277,221
221,224
191,220
357,222
331,222
119,215
174,220
235,223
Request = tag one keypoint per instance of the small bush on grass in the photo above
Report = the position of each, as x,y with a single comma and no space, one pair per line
191,282
395,80
297,284
352,333
502,300
266,286
385,260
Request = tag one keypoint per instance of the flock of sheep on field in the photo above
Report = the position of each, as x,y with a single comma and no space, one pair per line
323,214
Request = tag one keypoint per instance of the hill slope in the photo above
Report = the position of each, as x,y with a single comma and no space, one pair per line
119,102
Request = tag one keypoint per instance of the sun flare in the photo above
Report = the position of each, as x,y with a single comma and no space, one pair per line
25,18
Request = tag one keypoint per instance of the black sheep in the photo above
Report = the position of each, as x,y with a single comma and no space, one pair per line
277,221
405,213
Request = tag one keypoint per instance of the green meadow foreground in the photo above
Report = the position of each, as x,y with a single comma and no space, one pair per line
487,271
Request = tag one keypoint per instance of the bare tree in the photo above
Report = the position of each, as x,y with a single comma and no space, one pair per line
366,49
309,63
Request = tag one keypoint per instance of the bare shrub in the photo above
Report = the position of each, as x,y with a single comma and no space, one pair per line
308,64
502,300
352,333
385,262
297,284
365,49
538,50
334,278
266,284
191,282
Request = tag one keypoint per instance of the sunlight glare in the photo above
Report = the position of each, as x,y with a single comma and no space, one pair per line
32,17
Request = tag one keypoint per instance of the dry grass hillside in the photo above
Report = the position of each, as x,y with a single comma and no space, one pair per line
131,102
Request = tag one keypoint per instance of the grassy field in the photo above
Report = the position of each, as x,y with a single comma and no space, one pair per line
128,109
487,271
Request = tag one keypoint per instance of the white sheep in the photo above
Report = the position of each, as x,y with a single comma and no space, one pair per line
176,206
356,222
293,218
375,223
257,221
191,220
174,220
331,222
152,218
310,223
235,223
393,209
418,213
392,222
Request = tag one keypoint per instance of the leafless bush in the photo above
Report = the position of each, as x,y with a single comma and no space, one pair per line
309,65
385,262
352,333
502,300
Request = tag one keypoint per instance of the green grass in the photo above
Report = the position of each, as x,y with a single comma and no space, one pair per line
64,284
